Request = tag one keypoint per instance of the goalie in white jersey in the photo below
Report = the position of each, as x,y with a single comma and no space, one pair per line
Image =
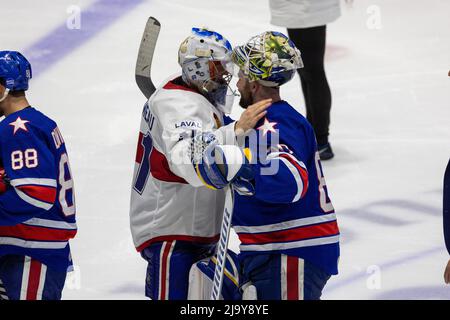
176,200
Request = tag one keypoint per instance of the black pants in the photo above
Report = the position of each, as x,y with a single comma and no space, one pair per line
311,42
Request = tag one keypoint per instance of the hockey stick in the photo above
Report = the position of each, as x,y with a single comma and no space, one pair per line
145,57
223,244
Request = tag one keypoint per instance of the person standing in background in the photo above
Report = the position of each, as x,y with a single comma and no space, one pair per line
306,22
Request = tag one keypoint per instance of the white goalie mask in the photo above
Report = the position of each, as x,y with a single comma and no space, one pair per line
205,60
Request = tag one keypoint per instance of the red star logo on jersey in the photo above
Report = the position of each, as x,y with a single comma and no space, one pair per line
268,126
19,124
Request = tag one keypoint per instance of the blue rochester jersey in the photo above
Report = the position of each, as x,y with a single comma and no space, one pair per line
291,212
37,211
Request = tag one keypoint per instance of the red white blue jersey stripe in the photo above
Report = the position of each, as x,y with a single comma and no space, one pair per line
40,193
296,168
312,231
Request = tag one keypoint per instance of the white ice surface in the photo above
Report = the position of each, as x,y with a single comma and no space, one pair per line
390,132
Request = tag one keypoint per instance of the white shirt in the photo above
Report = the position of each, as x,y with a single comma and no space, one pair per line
295,14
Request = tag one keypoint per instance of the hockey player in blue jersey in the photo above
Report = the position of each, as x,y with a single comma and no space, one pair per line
286,222
37,204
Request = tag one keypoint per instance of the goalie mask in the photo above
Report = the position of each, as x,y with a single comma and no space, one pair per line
269,58
205,59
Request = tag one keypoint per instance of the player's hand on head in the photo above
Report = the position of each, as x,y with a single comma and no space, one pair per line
447,273
250,117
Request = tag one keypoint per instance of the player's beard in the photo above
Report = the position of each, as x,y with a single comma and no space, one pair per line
246,97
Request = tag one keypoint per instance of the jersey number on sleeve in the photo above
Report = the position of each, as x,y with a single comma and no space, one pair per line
66,182
325,202
144,149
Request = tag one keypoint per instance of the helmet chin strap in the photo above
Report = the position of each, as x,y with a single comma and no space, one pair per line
5,94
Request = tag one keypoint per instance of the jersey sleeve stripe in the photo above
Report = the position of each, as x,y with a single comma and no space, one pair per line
301,170
296,175
33,202
45,194
34,181
38,192
33,233
298,170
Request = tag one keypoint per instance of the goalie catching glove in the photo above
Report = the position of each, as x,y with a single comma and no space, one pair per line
218,165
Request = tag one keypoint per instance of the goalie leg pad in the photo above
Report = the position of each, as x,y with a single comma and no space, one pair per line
202,274
169,263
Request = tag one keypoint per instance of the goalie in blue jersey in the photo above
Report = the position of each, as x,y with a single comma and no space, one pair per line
285,221
37,204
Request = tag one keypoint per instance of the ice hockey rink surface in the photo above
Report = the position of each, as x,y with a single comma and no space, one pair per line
387,65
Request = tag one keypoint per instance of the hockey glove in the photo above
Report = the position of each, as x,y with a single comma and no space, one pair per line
219,164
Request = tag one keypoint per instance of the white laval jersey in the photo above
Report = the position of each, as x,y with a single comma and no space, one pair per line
168,200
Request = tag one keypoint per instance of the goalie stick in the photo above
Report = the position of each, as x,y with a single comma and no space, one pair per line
145,57
221,254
